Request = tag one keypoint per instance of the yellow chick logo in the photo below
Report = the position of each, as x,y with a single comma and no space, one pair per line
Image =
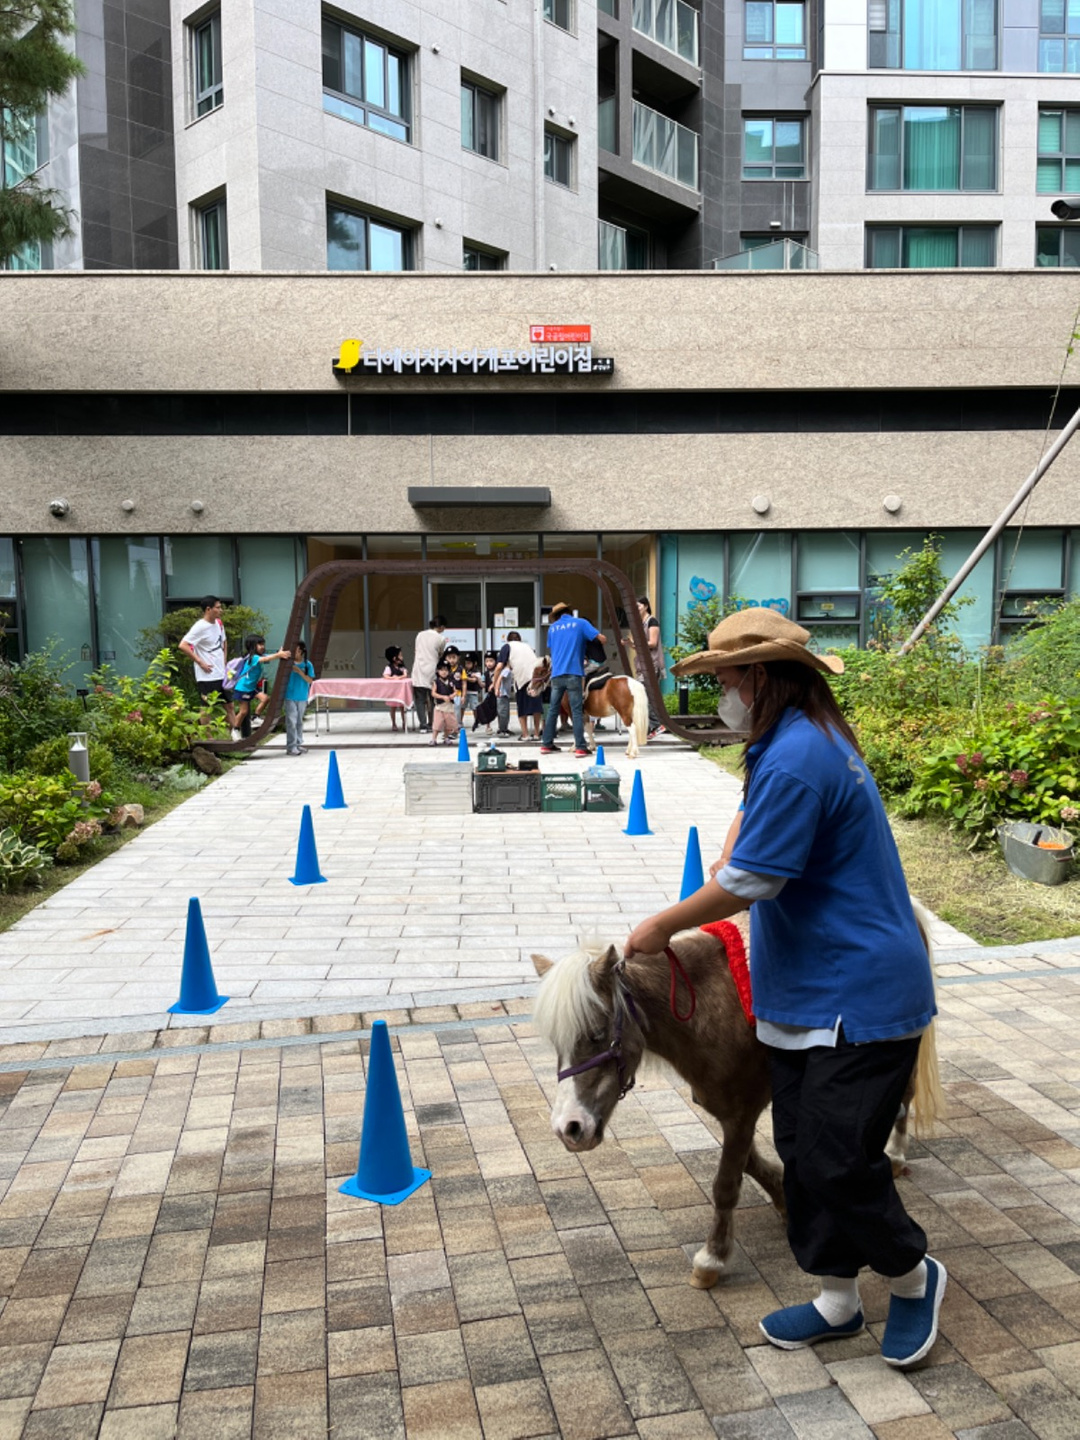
350,356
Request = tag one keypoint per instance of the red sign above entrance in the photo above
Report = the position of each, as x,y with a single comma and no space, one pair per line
560,334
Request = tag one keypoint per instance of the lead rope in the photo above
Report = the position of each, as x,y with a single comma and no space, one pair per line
678,972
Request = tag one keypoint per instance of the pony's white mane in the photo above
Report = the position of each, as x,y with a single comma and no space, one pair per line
567,1006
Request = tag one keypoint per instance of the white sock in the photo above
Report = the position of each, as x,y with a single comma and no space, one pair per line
839,1299
911,1286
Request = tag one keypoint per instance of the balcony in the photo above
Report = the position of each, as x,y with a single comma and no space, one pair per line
665,147
671,23
779,255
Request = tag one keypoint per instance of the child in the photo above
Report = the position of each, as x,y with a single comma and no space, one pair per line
296,699
443,692
452,656
469,687
504,693
395,670
247,682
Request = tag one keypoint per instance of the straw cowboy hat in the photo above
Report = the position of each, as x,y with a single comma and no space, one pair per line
753,637
559,610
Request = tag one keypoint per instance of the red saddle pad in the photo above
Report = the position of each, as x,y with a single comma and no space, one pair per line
732,941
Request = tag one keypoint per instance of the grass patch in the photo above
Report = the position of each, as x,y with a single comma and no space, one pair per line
975,891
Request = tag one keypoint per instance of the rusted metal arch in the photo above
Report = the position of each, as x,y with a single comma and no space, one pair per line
327,582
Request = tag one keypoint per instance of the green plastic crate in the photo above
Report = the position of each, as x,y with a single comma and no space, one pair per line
602,795
560,793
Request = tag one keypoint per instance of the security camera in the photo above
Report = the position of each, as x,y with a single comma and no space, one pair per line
59,508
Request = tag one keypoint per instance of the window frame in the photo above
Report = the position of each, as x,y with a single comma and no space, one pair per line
871,230
481,93
1061,232
1065,37
901,110
201,214
403,228
770,50
360,109
551,10
498,258
1063,156
763,172
558,139
215,91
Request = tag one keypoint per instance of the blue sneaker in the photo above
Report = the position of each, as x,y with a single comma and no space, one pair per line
802,1325
912,1326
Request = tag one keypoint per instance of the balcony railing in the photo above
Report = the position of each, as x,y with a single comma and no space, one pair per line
607,125
612,254
780,255
665,146
671,23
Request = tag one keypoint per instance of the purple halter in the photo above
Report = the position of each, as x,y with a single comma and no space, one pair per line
614,1050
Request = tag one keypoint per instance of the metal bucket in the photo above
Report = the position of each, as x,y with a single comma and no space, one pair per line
1019,841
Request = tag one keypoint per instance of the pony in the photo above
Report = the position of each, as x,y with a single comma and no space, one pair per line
604,1014
617,695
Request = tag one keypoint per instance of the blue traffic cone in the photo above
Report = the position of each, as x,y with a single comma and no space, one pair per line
463,745
307,859
693,875
600,760
198,993
385,1172
638,823
335,798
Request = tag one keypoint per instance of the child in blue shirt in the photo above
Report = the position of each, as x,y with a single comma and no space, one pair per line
296,699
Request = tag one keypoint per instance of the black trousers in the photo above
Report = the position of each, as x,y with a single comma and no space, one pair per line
424,708
833,1111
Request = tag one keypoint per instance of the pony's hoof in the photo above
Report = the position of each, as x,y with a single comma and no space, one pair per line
707,1270
900,1167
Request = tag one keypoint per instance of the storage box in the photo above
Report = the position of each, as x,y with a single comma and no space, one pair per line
560,793
509,793
491,760
602,795
439,789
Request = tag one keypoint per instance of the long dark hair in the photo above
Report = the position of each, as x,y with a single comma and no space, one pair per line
794,686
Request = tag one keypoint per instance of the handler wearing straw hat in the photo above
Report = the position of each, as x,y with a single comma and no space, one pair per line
841,978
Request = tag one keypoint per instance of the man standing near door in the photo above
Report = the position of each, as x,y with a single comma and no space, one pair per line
567,638
426,653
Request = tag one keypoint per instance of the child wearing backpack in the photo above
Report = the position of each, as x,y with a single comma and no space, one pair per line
247,680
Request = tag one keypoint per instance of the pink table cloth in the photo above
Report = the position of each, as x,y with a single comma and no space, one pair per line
395,692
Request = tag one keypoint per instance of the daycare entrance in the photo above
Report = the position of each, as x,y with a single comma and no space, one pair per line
480,614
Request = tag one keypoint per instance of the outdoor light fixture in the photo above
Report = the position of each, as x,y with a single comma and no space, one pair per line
761,504
1064,211
197,507
891,503
127,506
59,508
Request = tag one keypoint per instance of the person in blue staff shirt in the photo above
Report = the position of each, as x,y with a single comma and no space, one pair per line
296,698
568,635
841,979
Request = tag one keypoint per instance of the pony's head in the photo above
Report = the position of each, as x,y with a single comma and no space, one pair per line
541,677
582,1008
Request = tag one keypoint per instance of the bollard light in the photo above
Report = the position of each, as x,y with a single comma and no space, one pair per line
684,697
79,756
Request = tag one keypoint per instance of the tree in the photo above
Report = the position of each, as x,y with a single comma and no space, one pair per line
912,589
35,63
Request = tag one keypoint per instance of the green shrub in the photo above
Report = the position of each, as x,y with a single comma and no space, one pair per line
56,814
51,758
35,705
20,864
1045,658
906,595
1015,763
148,720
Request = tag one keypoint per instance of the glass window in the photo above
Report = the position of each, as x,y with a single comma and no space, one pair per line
761,569
932,147
19,144
479,120
558,159
773,149
209,92
1059,36
933,34
56,584
198,565
211,237
271,567
559,13
475,258
775,30
127,593
930,247
1057,245
355,241
365,80
1059,152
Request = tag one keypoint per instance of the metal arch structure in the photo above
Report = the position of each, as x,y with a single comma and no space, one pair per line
327,582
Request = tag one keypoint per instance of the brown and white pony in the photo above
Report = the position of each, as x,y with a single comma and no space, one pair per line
603,1014
619,695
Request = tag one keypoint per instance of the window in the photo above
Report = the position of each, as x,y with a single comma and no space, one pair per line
1056,245
775,30
479,120
1059,152
773,149
474,257
622,247
559,13
206,64
558,159
933,34
365,80
929,247
19,148
932,147
1059,36
211,236
355,241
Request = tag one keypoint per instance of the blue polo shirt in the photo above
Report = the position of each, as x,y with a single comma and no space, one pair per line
298,687
840,939
567,638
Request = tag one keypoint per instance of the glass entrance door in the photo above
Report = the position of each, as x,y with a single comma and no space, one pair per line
479,614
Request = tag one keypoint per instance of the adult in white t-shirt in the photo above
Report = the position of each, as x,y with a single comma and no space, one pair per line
520,659
205,644
427,652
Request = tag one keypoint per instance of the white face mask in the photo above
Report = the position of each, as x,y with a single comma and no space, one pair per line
733,710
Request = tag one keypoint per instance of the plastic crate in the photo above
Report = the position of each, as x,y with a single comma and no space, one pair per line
560,793
441,789
506,793
602,795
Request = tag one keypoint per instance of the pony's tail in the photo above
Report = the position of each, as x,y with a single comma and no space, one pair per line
928,1102
640,718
